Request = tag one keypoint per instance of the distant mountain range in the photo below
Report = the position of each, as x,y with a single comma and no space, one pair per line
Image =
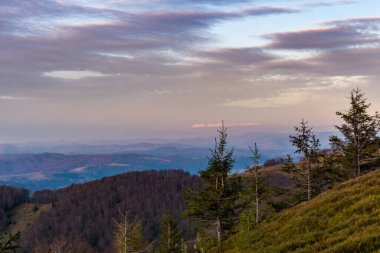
52,170
54,165
267,141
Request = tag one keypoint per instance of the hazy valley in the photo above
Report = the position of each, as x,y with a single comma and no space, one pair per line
37,166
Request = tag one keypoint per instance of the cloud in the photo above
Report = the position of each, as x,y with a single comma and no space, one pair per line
171,64
284,99
219,125
361,61
339,48
368,21
296,96
12,98
329,3
117,4
33,44
73,75
238,56
207,2
337,35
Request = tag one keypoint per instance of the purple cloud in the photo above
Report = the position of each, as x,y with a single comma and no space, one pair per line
338,35
239,56
83,47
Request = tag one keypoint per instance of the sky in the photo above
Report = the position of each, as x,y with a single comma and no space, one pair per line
81,69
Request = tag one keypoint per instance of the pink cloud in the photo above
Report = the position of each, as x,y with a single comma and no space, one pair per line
217,125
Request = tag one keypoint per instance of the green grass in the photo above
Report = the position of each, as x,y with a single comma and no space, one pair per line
345,219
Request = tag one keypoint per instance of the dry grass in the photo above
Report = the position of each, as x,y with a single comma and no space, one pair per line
345,219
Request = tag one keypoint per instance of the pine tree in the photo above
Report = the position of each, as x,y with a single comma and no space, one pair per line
256,199
215,206
255,169
289,165
307,145
359,132
170,238
298,178
128,236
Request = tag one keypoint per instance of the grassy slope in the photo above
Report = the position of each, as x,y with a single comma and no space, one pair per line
344,219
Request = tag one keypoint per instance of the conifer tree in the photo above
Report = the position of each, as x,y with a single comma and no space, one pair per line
359,132
255,169
256,199
170,238
215,206
128,236
298,178
307,145
289,165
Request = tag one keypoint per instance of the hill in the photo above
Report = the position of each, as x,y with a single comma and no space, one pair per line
10,197
88,209
344,219
82,216
22,216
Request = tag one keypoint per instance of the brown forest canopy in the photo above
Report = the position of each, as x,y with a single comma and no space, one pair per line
9,198
85,213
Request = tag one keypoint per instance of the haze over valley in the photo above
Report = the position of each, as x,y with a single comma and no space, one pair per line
37,166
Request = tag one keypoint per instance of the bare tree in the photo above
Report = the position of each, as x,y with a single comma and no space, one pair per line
128,236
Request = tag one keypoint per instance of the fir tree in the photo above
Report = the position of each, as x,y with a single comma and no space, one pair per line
297,176
359,132
255,169
170,238
256,199
307,145
289,165
216,205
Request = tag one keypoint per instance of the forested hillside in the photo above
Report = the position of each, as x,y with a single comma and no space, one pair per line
82,216
10,197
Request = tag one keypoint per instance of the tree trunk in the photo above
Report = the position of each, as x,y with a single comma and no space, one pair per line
125,234
358,163
308,182
257,197
169,238
357,144
218,232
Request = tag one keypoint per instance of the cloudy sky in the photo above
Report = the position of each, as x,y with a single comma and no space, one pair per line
83,69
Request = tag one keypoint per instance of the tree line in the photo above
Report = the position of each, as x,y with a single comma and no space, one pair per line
223,203
226,204
217,206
